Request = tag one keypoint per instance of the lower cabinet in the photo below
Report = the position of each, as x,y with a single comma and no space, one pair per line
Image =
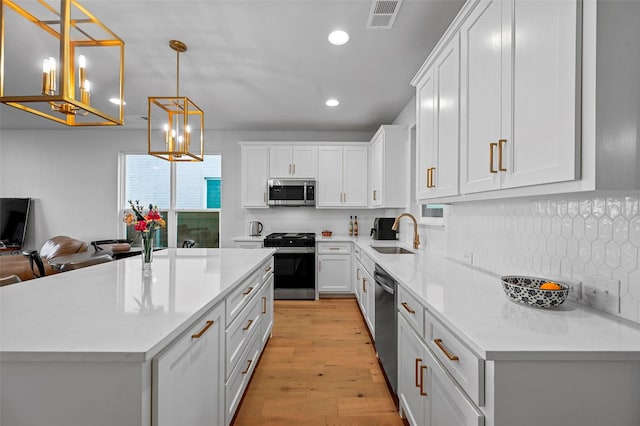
427,394
365,290
189,376
334,267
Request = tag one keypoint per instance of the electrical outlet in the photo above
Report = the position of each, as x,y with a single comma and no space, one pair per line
601,293
467,257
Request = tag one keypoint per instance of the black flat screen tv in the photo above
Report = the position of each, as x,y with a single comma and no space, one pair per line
14,216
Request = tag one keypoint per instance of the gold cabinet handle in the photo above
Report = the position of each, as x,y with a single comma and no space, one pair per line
248,326
406,306
294,170
492,146
375,195
290,169
418,378
264,305
433,171
364,285
246,370
249,290
264,196
430,183
204,330
357,274
501,143
444,349
422,370
267,269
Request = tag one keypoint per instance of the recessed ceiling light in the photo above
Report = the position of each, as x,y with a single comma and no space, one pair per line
332,103
116,101
338,37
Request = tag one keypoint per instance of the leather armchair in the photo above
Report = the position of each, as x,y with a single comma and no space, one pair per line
19,265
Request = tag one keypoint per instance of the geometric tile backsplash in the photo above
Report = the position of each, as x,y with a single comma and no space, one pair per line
566,236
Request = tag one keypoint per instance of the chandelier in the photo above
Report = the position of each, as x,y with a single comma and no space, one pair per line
82,63
176,124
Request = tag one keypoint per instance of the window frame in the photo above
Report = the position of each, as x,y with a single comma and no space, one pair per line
172,211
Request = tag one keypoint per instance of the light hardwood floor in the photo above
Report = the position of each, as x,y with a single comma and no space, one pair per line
319,368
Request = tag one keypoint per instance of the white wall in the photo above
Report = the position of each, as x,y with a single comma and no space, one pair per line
72,176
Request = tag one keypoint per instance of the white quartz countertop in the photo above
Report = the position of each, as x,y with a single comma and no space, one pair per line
113,311
473,305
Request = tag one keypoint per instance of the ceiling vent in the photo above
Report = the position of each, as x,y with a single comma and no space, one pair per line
383,14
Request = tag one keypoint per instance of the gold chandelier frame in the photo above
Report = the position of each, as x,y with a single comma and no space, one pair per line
64,106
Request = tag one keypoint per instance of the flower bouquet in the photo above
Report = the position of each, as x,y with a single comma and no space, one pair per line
145,225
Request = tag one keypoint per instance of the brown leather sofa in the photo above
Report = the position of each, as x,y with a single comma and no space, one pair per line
19,265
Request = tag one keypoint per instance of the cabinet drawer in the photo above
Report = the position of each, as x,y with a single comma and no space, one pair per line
465,366
238,333
240,375
241,296
411,309
266,270
368,263
334,248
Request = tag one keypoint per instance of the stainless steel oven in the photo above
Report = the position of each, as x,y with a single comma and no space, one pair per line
294,265
292,192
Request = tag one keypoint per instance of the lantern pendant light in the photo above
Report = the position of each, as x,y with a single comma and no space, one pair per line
176,124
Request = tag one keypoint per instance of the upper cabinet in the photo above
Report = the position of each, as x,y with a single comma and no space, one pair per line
342,176
293,161
519,98
254,172
437,134
387,160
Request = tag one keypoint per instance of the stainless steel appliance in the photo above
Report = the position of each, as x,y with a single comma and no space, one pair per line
386,325
294,265
292,192
255,228
382,228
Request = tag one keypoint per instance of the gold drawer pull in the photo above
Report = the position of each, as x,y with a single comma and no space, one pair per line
443,349
422,369
334,248
264,305
418,378
268,269
492,146
249,290
429,178
501,143
406,306
248,326
204,330
364,285
246,370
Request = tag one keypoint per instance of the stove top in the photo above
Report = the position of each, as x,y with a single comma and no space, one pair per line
290,239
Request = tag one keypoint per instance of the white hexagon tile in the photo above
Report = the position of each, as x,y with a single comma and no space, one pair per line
567,236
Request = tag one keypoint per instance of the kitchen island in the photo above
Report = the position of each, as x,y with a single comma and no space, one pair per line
103,345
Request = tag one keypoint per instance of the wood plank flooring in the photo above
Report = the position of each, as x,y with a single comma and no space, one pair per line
319,368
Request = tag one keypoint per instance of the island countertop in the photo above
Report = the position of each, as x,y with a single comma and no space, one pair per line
114,311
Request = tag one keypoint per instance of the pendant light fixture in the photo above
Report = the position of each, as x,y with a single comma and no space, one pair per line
82,63
176,124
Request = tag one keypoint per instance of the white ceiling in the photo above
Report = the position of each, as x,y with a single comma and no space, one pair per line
266,64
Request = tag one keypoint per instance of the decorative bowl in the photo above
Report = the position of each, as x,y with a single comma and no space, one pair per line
526,290
326,233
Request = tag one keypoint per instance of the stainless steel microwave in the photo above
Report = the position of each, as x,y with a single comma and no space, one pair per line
292,192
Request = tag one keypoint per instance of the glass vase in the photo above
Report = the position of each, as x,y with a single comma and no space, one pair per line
147,250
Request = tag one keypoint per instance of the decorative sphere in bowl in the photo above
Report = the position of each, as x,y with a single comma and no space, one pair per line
527,290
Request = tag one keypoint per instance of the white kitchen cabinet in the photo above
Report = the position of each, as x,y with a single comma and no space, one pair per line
426,392
266,304
342,176
437,134
334,267
387,160
189,375
520,87
364,287
293,161
254,174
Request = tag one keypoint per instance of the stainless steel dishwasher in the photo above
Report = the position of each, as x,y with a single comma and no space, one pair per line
386,338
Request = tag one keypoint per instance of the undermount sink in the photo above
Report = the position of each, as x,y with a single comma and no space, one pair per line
392,250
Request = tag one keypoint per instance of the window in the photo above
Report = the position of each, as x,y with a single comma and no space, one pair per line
432,214
188,196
